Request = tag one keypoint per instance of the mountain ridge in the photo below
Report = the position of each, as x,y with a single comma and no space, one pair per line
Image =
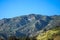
27,25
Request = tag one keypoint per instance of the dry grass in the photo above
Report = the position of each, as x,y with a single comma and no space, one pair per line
50,35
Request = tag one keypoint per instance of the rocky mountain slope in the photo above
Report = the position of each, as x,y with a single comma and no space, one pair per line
52,34
27,25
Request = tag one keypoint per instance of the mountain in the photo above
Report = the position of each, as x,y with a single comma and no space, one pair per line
52,34
27,25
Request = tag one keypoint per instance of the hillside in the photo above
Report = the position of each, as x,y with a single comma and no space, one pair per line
53,34
27,25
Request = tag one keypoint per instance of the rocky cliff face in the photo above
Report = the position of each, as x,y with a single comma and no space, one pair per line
27,25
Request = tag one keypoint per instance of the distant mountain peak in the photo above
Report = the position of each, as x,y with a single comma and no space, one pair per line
27,25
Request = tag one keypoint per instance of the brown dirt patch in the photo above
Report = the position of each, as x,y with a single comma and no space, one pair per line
57,38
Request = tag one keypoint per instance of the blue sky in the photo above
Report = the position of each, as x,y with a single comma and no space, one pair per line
12,8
